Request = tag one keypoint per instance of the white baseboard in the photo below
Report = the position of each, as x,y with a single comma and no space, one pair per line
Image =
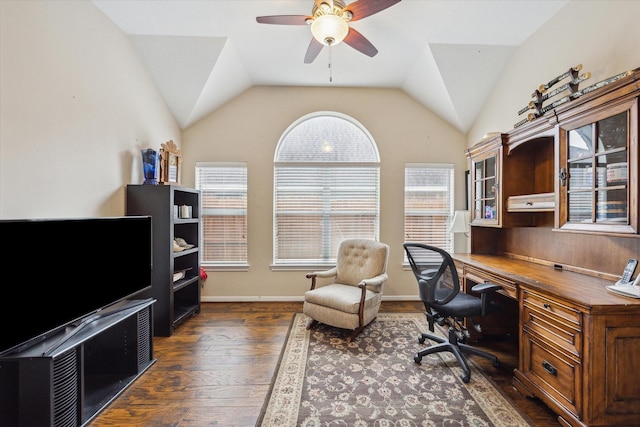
299,298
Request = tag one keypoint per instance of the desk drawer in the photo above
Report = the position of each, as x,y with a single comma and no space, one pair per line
567,337
552,322
509,288
552,308
532,203
556,375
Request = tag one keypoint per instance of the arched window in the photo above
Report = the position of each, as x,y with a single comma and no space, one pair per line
326,188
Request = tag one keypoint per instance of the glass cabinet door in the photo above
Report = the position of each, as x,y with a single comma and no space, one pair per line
485,179
594,178
485,190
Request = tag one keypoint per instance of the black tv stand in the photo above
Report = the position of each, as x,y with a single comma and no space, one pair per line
77,326
75,374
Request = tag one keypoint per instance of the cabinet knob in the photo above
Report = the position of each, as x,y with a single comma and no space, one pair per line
547,306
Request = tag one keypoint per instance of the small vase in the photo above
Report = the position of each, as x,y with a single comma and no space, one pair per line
150,163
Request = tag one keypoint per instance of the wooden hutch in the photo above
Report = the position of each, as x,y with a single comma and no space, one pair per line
555,218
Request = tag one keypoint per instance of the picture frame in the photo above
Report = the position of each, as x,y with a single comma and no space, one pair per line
170,163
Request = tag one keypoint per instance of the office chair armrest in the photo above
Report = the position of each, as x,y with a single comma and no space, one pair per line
483,288
375,281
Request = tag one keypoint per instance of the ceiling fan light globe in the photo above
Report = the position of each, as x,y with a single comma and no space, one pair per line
329,29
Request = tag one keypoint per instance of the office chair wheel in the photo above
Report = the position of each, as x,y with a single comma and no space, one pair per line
421,339
465,378
496,363
417,358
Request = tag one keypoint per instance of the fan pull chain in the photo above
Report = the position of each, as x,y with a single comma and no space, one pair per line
330,69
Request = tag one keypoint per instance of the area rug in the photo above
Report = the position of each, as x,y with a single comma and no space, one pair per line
323,380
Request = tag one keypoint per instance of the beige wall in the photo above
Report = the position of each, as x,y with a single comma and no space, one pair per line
249,128
76,106
603,36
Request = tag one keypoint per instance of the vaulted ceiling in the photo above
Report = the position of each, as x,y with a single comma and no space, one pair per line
448,55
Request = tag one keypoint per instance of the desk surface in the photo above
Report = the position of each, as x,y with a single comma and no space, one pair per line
588,292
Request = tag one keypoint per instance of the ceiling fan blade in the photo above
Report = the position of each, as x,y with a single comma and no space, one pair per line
363,8
312,51
360,43
283,19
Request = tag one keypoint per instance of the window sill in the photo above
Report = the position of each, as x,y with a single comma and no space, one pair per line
302,267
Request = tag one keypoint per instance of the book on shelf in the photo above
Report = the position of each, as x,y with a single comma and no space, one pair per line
180,274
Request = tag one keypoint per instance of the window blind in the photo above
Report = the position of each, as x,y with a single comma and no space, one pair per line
428,204
326,189
223,212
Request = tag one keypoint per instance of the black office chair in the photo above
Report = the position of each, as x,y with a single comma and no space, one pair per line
439,287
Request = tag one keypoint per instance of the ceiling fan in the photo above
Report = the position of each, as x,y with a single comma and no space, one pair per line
329,22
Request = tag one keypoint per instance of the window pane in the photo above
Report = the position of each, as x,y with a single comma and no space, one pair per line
326,189
598,175
428,204
612,132
326,138
491,167
326,205
580,203
612,206
223,188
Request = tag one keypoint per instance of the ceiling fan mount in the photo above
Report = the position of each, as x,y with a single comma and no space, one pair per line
335,7
329,22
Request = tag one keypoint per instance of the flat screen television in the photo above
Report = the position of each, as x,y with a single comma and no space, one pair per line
60,271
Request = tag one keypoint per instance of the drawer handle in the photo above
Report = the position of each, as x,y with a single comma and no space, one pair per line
547,306
528,203
549,368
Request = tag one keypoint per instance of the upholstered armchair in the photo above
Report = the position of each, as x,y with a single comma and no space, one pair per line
351,292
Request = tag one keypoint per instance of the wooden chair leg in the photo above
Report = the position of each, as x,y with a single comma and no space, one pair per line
353,334
359,329
310,325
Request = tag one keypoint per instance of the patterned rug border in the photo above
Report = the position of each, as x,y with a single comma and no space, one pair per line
296,345
274,378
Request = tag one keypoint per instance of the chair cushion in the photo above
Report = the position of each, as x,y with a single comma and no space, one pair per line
360,259
337,318
462,305
342,297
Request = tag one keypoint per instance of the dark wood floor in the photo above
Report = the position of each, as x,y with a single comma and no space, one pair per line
216,369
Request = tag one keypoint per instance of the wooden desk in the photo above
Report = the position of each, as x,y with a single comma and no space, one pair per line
579,343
